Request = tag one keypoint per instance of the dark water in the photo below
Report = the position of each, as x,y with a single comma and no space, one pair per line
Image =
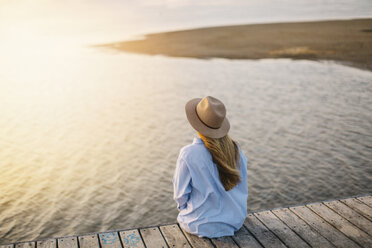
92,145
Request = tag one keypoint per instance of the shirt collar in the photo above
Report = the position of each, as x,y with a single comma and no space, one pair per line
197,140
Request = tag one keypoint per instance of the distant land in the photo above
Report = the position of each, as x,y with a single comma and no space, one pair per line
345,41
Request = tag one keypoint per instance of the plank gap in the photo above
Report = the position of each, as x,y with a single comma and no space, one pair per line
272,231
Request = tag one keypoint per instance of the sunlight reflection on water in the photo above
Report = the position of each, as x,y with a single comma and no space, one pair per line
89,140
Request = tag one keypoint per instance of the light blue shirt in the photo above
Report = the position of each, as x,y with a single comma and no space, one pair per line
206,209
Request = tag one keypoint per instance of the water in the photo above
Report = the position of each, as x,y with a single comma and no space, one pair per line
83,152
89,139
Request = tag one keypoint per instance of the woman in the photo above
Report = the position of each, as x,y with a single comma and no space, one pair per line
210,180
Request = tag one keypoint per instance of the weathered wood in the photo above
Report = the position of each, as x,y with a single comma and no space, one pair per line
244,239
360,207
302,228
67,242
261,233
224,242
25,245
109,240
195,241
174,236
286,235
324,228
351,215
342,224
153,238
49,243
366,199
88,241
131,238
7,246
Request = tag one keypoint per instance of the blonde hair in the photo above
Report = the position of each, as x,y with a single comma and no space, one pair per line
225,154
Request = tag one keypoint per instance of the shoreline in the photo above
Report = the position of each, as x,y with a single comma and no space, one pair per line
346,41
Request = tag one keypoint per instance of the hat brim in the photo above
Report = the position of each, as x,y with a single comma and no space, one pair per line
199,126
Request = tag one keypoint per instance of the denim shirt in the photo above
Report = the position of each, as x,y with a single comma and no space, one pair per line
206,209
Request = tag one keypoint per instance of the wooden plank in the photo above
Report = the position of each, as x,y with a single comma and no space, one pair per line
261,233
245,239
67,242
88,241
366,200
195,241
324,228
351,215
359,206
7,246
131,238
342,224
301,228
286,235
174,236
109,240
224,242
25,245
153,238
49,243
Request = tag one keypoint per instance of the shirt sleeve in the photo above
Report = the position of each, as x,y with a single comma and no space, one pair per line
181,184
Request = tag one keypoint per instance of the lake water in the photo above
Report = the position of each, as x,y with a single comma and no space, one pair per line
89,138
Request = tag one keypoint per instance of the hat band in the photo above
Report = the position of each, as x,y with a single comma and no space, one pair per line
203,121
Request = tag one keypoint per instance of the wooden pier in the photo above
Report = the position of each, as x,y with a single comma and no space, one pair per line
338,223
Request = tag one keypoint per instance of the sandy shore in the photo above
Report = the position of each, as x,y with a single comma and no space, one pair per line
346,41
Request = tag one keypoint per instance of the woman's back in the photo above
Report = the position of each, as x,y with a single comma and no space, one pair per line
210,180
206,208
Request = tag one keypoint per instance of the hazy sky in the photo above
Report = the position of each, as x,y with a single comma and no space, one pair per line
90,21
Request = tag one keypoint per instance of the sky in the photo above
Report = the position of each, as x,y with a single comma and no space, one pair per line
31,27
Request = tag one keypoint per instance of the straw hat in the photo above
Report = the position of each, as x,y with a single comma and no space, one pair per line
208,116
